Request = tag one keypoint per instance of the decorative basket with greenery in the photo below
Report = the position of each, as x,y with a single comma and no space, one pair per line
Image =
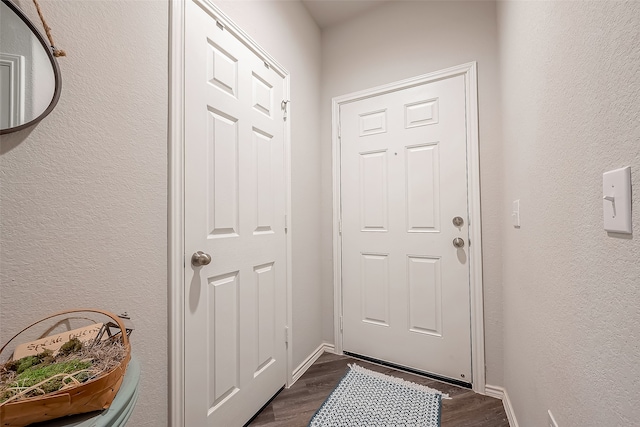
78,377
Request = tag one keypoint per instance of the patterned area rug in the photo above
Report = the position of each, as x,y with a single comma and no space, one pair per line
371,399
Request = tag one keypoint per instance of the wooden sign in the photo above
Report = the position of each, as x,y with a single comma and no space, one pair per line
54,342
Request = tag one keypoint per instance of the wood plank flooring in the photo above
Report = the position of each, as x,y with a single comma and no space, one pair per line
295,406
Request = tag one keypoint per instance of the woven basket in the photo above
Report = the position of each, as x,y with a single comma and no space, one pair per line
94,395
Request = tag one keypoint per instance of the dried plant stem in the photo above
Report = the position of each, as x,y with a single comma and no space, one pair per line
36,387
104,357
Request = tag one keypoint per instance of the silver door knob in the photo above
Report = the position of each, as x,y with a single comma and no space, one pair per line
200,258
458,242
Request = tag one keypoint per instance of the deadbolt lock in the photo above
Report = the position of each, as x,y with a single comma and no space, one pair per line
458,221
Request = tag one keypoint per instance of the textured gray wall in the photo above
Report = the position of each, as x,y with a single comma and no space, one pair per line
83,195
571,85
85,191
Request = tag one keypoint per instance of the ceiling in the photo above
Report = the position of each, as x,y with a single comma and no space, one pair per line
331,12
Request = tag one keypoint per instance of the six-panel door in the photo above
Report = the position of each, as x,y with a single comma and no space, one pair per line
235,310
403,180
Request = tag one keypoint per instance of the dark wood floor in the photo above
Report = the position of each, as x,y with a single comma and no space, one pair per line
295,406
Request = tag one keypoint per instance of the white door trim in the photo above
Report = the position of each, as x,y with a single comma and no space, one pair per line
469,71
175,213
16,67
176,255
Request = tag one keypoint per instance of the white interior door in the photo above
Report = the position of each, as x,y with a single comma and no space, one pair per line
235,307
403,181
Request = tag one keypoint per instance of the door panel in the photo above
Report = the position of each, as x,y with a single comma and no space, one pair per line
423,188
403,179
224,345
425,302
373,188
222,168
375,289
235,310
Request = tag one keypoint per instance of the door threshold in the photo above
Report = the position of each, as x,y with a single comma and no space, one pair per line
264,406
410,370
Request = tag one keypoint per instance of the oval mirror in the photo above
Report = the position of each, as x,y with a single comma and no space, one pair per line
29,74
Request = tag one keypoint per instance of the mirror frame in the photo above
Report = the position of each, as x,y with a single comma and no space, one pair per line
54,65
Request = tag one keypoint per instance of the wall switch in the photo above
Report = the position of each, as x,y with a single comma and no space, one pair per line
515,214
552,421
616,200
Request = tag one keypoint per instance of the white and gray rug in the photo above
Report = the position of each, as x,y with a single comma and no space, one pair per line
365,398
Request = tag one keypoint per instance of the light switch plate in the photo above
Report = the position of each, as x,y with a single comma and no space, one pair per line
515,214
616,200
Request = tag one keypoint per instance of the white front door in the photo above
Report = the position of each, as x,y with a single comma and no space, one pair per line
403,181
235,307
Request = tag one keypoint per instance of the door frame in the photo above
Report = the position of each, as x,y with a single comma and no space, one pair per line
16,83
177,259
469,71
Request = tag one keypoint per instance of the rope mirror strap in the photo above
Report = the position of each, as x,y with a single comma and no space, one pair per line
47,30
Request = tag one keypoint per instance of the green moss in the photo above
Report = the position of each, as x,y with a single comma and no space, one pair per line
37,374
52,385
46,357
26,363
72,346
32,370
20,365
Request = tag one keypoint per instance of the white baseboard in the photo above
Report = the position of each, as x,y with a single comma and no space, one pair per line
508,408
329,348
310,360
494,391
501,393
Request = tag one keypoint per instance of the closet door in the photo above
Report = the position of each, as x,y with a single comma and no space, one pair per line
235,296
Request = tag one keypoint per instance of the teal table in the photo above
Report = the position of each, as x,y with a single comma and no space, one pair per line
118,413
